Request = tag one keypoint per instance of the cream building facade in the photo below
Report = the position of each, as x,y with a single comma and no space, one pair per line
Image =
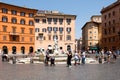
90,33
53,24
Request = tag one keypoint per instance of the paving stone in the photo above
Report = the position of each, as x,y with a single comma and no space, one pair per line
106,71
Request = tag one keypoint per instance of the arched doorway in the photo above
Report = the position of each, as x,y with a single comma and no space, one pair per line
5,50
31,49
14,50
68,48
23,50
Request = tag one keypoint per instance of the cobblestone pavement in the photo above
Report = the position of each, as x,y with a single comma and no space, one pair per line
60,72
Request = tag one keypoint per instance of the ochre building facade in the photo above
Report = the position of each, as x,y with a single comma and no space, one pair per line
90,33
16,29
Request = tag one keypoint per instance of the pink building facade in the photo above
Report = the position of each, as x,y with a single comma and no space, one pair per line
53,24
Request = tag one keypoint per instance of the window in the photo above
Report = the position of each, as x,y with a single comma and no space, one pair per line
40,37
37,20
105,24
4,10
22,21
31,23
60,21
43,20
31,15
55,37
90,37
109,15
4,37
49,37
22,39
37,30
113,29
109,31
68,29
55,20
113,39
113,13
90,32
105,16
61,37
31,31
113,21
109,23
14,12
109,39
61,29
49,20
14,38
105,40
68,21
22,30
14,29
44,38
31,39
14,20
90,44
105,31
44,30
22,14
4,28
49,29
68,37
55,29
4,19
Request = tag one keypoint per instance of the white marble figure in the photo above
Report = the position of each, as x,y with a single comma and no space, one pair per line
55,46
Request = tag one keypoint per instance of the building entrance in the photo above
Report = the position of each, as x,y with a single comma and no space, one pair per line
68,48
23,50
14,50
5,50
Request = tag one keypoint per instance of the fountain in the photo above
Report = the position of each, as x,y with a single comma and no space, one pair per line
55,47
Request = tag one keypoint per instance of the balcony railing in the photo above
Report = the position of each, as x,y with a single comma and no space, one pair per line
14,33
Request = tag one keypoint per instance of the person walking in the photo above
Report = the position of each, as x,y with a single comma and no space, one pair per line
69,57
47,57
109,52
76,58
83,57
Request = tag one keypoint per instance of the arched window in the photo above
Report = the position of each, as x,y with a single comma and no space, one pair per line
4,19
23,50
5,50
22,21
31,49
31,23
14,20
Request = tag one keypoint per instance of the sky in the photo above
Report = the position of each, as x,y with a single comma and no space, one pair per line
83,9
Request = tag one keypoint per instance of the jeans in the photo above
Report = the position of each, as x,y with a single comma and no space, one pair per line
83,60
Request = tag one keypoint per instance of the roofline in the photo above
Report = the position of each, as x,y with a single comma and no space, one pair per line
110,6
96,16
17,6
90,22
57,14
